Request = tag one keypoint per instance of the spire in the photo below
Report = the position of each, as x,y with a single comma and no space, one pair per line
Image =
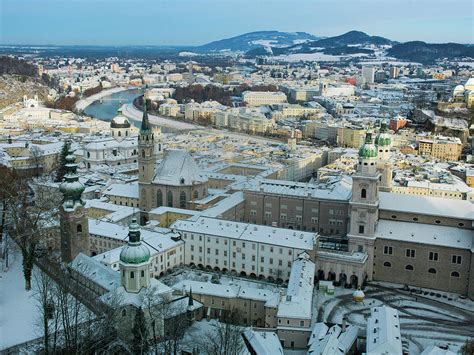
71,187
190,299
134,252
145,123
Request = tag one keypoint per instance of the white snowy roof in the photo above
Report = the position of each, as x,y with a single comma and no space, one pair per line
335,188
433,206
263,342
452,237
247,231
383,332
298,300
95,271
229,291
178,168
123,190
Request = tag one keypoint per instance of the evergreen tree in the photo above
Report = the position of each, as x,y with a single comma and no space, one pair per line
139,331
62,162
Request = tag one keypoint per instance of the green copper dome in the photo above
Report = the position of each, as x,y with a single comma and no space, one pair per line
134,252
71,187
383,138
368,149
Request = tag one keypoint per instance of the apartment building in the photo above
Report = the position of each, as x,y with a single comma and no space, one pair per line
260,98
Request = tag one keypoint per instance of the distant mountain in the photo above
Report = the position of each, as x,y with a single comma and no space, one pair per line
430,52
351,38
348,43
257,40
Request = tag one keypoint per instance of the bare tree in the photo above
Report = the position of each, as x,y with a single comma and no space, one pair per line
225,337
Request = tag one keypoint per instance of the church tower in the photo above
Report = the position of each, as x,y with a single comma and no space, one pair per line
73,216
134,261
384,165
146,164
365,202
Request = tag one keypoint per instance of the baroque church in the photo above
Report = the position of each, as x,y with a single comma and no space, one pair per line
117,149
175,182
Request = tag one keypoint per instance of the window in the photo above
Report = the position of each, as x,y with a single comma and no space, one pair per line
363,193
124,312
182,199
79,228
195,194
132,275
169,198
143,153
361,229
409,267
410,253
159,198
433,256
456,259
387,264
387,250
143,273
432,271
301,323
455,274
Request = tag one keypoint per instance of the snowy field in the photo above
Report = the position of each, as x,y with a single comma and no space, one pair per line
17,306
318,56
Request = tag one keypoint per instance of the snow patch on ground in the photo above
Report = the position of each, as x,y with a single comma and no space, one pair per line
318,56
17,306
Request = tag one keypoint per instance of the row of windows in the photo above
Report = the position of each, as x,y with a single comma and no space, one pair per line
234,243
432,255
437,221
430,270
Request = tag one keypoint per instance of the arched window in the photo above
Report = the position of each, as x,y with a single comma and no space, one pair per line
120,133
79,228
409,267
363,193
132,275
159,198
143,273
182,199
387,264
124,312
169,199
455,274
143,153
88,154
126,133
195,194
432,271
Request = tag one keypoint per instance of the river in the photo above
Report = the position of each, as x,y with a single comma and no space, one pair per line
107,108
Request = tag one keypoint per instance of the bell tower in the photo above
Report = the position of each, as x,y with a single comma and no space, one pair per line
134,261
384,165
364,204
74,224
146,164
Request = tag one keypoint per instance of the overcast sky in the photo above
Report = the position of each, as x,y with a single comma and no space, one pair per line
192,22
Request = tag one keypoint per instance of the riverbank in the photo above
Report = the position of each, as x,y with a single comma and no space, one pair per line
131,112
81,105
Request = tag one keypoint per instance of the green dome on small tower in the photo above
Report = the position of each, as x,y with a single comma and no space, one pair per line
383,138
368,149
134,252
71,187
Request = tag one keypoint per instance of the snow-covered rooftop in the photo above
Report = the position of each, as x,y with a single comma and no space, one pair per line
299,296
383,332
247,231
432,206
178,168
452,237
